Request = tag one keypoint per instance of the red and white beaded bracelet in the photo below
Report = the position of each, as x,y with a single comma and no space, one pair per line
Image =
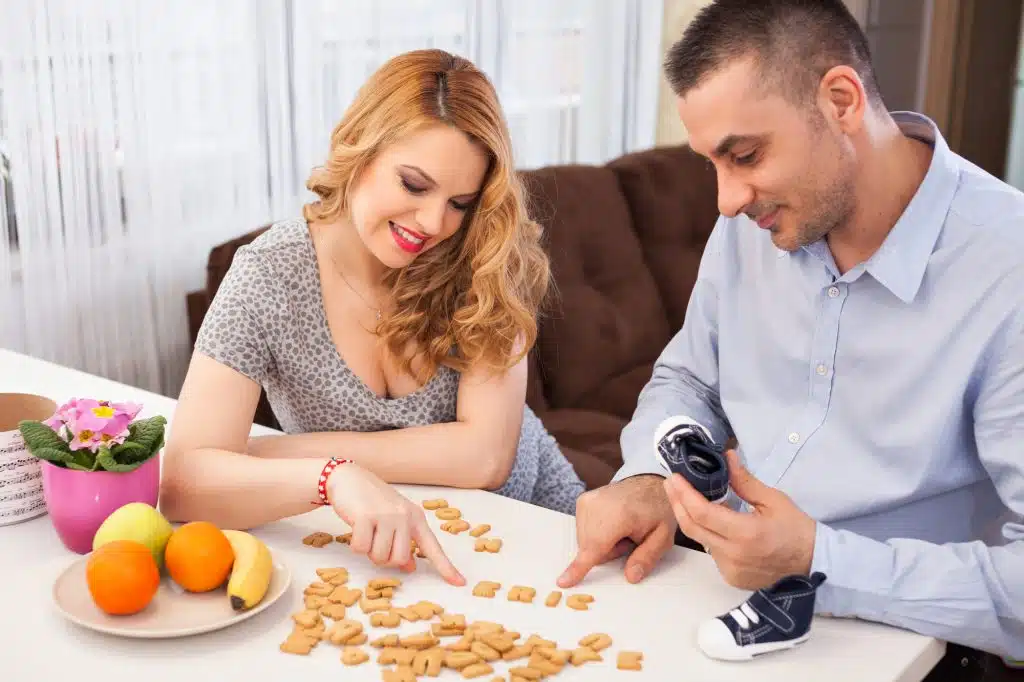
321,486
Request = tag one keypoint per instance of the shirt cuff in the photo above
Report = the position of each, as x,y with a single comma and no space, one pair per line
638,468
856,572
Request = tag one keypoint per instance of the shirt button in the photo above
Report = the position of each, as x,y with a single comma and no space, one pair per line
833,292
821,369
794,438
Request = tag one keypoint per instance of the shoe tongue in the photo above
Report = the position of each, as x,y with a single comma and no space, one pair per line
703,464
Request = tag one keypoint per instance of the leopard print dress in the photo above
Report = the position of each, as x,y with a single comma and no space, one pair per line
267,321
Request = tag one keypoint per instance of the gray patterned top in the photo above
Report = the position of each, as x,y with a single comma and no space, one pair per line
267,321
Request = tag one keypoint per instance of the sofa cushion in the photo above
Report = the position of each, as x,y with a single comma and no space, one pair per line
590,440
607,317
672,195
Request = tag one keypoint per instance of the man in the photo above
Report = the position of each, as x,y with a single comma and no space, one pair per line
857,326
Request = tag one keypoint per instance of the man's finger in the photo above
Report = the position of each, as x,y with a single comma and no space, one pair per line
745,484
691,528
643,559
435,553
585,560
717,518
621,548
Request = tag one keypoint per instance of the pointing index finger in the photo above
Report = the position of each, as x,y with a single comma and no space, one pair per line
428,542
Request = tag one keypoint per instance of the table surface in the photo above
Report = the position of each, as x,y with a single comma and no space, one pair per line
658,617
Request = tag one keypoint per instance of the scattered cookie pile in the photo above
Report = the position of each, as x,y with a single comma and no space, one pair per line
476,646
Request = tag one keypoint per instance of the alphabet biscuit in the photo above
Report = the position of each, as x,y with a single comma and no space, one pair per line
307,618
333,576
448,514
353,655
596,641
486,589
343,631
477,670
371,605
385,619
396,655
579,601
522,594
630,660
455,527
480,530
299,642
457,660
387,641
583,655
344,595
484,651
318,588
492,545
318,539
428,662
402,673
432,505
333,611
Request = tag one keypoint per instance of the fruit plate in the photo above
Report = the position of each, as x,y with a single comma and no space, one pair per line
172,612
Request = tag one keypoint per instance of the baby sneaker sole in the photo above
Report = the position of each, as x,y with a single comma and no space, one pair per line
716,641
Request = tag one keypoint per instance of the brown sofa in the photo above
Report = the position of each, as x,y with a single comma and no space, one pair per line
625,240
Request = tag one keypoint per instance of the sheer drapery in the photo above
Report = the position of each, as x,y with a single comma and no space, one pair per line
137,134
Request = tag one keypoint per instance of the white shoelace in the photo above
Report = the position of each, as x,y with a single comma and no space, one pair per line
744,615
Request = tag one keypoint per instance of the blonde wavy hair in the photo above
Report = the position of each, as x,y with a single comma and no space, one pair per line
474,299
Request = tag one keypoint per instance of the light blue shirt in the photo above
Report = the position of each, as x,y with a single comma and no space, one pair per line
888,402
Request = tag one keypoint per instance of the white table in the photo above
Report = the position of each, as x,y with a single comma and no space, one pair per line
658,617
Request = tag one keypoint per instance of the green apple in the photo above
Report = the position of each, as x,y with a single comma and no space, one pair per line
140,522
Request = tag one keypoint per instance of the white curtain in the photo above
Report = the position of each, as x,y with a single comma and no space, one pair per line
137,134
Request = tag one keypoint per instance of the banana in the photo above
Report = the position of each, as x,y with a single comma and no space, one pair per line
251,572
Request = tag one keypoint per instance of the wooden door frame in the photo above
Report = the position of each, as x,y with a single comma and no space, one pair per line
971,76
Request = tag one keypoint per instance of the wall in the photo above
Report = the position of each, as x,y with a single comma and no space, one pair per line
1015,160
678,14
897,33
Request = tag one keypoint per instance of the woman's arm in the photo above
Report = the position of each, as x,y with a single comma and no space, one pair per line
475,451
206,474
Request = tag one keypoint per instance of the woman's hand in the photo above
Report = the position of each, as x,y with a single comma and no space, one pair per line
384,523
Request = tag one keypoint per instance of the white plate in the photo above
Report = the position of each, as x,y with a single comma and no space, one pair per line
172,613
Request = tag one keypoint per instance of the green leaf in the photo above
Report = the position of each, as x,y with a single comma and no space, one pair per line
130,453
148,433
107,461
39,436
52,455
78,467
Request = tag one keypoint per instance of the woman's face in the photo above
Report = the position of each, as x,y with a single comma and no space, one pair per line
416,193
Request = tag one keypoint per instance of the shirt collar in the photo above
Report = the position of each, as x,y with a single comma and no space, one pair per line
901,260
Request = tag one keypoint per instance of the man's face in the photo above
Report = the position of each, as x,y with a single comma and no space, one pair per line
785,167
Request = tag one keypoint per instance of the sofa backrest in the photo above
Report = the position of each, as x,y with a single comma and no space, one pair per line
625,240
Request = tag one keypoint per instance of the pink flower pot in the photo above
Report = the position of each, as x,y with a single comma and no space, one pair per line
80,501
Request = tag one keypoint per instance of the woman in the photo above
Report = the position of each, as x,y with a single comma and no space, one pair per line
389,326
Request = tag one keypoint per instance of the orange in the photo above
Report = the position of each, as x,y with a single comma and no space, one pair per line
199,556
122,577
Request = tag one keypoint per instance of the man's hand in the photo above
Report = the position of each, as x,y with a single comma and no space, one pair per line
616,518
752,550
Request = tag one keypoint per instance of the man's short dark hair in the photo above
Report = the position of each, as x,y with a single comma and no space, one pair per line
793,42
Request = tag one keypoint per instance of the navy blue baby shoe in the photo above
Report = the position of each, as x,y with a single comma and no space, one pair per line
773,618
686,448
